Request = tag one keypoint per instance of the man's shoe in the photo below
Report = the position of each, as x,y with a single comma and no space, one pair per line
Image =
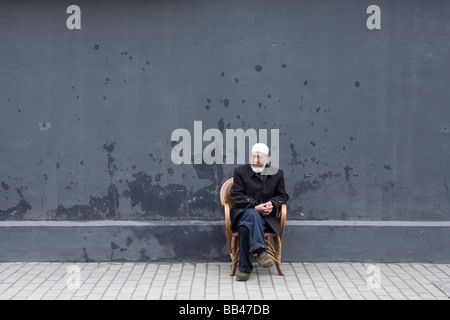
243,276
264,260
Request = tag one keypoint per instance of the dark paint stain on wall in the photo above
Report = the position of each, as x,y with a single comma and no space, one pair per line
19,210
145,192
129,241
109,149
213,172
154,199
306,186
294,155
221,125
99,208
174,200
114,246
105,207
347,170
86,257
5,186
107,204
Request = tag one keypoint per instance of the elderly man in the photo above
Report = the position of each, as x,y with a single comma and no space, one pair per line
257,193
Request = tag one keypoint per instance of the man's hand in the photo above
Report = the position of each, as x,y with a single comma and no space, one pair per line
264,208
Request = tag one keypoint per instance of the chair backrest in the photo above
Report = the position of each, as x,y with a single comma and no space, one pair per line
225,197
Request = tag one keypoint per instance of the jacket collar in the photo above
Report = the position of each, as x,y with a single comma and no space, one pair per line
253,173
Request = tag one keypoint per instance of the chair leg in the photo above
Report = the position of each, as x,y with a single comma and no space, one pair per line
275,252
277,242
234,254
233,269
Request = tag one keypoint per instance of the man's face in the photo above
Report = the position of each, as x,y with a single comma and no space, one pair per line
259,159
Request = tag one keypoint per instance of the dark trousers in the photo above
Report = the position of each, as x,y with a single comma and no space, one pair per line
251,237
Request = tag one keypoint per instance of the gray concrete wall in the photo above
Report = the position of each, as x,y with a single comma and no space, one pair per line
87,114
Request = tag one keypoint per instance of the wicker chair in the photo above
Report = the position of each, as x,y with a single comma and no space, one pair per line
274,250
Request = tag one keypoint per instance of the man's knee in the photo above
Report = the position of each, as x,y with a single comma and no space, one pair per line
251,214
250,219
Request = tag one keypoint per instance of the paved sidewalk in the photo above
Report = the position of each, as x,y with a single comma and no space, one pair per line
211,281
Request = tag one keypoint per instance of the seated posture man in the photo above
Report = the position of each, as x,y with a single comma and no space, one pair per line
257,193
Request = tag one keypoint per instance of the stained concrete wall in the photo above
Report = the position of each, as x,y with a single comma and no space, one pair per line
87,114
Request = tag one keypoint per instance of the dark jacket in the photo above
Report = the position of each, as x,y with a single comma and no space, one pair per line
249,190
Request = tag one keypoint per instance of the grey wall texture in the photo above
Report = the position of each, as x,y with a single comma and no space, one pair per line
87,114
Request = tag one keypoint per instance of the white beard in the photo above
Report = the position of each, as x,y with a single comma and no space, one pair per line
258,170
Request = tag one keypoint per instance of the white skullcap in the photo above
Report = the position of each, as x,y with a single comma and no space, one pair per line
260,147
